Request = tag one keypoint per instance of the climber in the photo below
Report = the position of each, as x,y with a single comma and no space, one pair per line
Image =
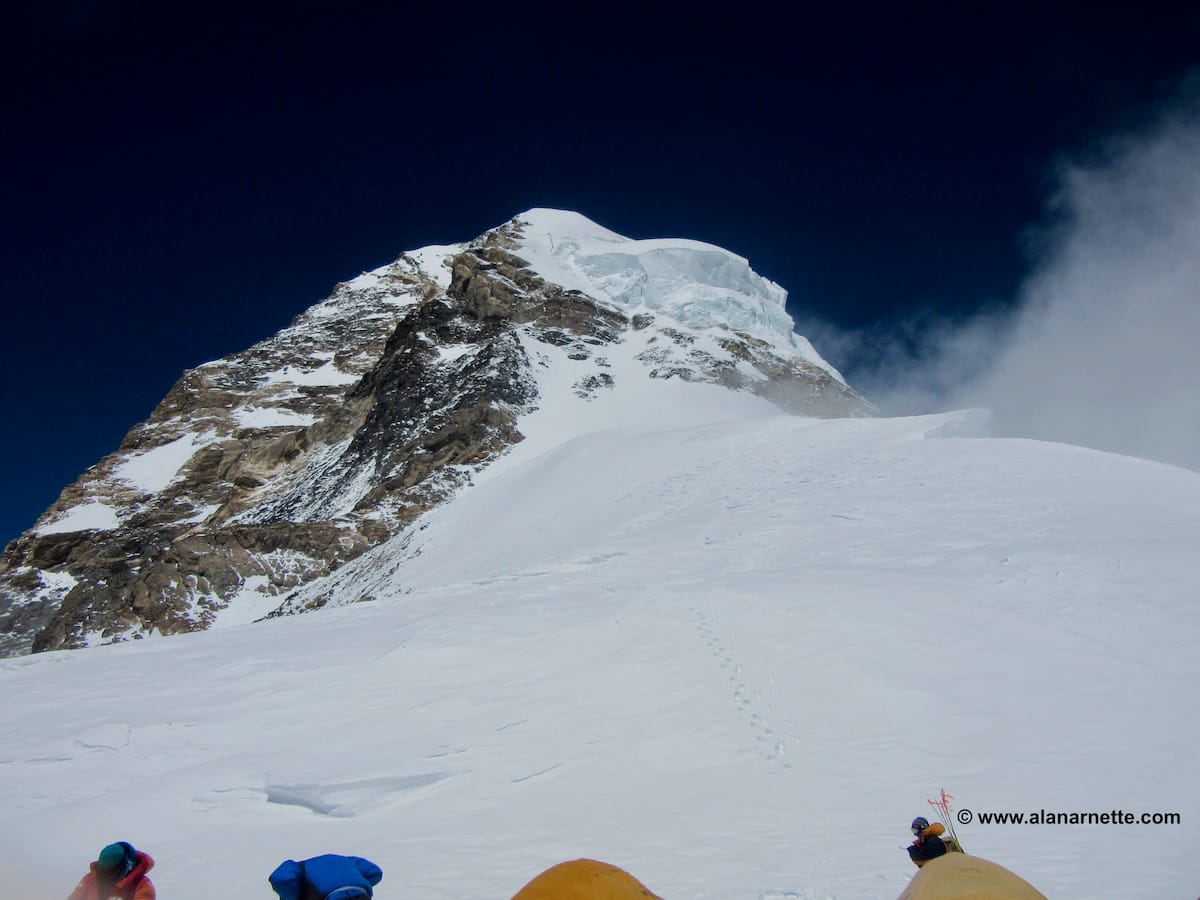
118,872
928,844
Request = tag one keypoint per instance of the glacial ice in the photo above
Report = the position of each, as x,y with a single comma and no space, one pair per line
695,283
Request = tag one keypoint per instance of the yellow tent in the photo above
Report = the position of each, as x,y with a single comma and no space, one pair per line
957,876
585,879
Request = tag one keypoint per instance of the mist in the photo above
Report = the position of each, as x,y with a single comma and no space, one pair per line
1100,347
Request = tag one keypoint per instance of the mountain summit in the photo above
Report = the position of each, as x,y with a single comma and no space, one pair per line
269,469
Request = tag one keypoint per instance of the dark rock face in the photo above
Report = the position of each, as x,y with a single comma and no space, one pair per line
388,430
173,581
269,469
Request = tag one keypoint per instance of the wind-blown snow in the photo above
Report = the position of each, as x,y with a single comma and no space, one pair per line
690,281
93,516
733,656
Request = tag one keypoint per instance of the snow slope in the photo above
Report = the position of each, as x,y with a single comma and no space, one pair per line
733,654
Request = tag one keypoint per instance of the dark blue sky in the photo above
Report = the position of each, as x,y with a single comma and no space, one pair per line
179,184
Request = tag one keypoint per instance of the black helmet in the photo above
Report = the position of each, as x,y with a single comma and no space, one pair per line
920,823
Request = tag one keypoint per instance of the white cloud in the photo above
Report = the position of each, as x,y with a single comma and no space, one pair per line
1103,349
1100,348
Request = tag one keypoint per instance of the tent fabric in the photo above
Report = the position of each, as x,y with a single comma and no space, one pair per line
957,876
585,879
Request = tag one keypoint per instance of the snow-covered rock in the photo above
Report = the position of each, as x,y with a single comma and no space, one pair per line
271,468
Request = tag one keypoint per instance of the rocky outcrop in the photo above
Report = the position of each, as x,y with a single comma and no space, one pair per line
289,460
270,469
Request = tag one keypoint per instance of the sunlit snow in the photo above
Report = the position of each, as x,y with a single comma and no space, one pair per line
87,516
270,417
327,374
730,650
733,656
432,261
152,470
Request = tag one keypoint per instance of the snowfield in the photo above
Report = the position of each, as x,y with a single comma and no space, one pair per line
733,654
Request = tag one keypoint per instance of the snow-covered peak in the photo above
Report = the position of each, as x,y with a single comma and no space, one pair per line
383,401
693,282
566,224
